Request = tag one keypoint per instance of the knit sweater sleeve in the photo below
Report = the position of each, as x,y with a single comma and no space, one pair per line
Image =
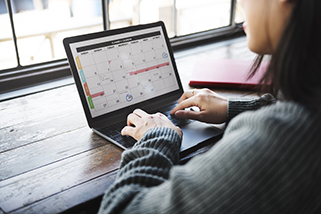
261,165
146,165
239,105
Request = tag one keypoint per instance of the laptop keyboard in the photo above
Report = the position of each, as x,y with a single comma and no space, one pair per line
178,122
114,131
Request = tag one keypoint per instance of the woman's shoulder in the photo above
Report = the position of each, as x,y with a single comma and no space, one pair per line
275,150
285,124
283,135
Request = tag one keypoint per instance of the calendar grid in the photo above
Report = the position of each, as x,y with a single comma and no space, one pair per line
117,73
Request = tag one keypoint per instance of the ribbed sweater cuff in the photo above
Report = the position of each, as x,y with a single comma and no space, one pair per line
165,140
239,105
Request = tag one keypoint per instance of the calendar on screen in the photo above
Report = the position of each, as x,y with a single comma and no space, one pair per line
121,70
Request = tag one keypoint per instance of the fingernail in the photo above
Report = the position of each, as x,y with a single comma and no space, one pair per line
178,113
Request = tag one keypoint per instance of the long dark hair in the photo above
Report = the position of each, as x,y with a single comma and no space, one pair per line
295,66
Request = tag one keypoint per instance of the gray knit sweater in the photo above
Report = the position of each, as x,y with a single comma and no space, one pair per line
268,161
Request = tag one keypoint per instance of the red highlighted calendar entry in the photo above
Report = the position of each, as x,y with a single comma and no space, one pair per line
149,69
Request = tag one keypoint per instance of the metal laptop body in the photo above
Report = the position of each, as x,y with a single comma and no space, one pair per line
113,77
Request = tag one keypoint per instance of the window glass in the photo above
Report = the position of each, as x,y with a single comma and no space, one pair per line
195,16
188,17
41,25
48,22
239,18
7,51
132,12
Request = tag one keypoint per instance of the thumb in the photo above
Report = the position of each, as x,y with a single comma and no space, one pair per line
187,114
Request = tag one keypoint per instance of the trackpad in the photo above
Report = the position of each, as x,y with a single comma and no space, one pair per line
196,133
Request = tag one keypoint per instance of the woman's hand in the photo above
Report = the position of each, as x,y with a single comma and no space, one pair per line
213,107
139,122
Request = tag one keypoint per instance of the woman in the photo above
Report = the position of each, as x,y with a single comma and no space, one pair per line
269,158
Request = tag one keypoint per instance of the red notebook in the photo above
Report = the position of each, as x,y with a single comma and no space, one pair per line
225,73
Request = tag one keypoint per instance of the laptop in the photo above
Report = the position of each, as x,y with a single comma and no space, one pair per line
118,71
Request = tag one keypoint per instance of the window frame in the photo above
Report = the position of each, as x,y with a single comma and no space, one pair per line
26,76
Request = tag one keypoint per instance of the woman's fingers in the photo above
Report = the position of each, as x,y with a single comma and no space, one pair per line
140,113
188,99
139,122
128,130
132,119
135,117
187,95
185,104
213,107
188,114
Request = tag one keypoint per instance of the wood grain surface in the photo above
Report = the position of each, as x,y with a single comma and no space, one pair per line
52,162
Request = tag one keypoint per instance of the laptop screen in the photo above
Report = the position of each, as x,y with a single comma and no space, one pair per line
123,69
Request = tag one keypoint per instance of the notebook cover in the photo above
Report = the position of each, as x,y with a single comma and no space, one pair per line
225,73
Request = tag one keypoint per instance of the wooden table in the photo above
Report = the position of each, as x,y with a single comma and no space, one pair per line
50,161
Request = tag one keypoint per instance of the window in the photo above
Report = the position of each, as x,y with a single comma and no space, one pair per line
8,57
181,17
40,26
32,31
238,13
